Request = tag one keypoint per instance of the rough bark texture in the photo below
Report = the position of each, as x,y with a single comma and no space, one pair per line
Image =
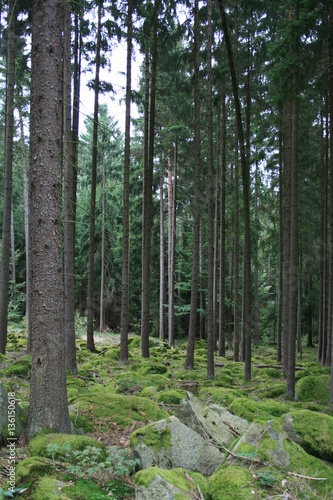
189,362
222,235
126,231
280,284
91,265
161,333
48,396
331,157
8,168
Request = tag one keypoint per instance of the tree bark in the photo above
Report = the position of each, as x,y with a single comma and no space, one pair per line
147,219
8,173
69,198
222,233
280,284
189,362
48,406
161,313
101,301
91,264
124,327
210,199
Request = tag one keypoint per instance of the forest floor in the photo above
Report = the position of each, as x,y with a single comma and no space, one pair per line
108,401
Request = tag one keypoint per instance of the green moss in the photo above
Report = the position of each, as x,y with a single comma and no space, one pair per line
31,468
50,488
38,445
152,436
113,353
176,477
233,482
148,392
274,391
314,388
316,431
245,448
88,490
101,408
20,368
149,367
220,395
172,396
305,464
261,411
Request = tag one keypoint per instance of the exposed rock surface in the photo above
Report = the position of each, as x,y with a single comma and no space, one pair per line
212,422
169,443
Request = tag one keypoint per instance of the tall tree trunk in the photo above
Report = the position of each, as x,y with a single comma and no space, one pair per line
101,301
189,362
331,162
326,292
299,308
12,246
161,315
246,201
91,264
147,219
48,408
210,197
69,198
222,233
280,284
310,313
202,304
171,333
8,173
290,387
126,226
256,263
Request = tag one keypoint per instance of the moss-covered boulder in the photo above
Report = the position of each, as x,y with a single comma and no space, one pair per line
261,411
161,484
58,445
220,395
50,488
312,430
213,421
172,396
314,388
20,368
102,408
12,417
170,444
234,482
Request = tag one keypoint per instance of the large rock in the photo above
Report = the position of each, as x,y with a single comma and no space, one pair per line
169,444
312,430
9,408
160,484
212,422
263,441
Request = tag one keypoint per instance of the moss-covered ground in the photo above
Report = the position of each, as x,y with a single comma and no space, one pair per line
109,401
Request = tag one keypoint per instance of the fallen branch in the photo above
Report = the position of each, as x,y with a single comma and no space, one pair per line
308,477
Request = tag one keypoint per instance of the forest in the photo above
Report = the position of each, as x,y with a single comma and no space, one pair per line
200,226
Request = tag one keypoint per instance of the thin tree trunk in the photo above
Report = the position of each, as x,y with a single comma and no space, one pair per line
280,284
26,219
210,196
161,315
222,234
189,362
101,301
147,219
256,263
12,245
171,333
91,264
246,201
124,327
299,308
216,236
331,160
69,199
8,173
202,305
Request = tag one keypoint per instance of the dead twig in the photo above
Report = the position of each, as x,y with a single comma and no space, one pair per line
308,477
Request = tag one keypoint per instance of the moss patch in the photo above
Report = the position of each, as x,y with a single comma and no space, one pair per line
50,488
251,410
152,436
40,445
314,389
20,368
233,482
31,468
220,395
316,432
176,477
101,408
173,396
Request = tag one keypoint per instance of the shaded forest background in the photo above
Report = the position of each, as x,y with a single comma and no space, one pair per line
211,216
